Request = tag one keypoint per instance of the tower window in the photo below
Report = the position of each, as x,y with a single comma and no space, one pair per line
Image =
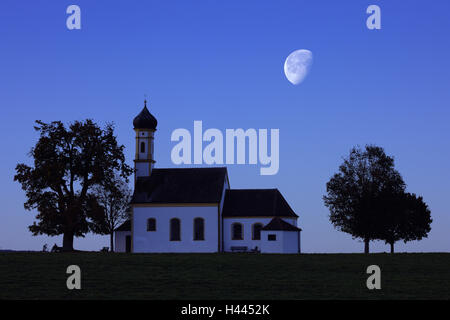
199,229
175,230
142,147
151,224
237,231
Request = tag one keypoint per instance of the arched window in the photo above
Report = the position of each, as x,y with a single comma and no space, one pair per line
256,232
151,224
175,230
237,232
142,147
199,229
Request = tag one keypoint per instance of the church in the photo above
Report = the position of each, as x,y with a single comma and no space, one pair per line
194,210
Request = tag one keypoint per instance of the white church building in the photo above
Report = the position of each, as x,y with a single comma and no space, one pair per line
195,210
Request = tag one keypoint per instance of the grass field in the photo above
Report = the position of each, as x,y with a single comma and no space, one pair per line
224,276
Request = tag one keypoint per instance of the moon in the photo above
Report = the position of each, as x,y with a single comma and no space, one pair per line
297,65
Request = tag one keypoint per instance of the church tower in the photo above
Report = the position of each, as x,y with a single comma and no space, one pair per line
144,126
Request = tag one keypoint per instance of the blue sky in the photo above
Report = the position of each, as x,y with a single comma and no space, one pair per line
222,62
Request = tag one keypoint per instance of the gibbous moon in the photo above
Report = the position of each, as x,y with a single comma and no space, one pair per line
297,65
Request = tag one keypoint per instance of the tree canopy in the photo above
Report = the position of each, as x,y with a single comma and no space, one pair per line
112,204
356,193
68,163
405,217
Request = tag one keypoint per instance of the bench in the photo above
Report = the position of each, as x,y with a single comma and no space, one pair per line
239,249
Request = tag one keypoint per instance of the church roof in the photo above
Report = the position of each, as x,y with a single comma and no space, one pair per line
257,203
181,185
145,120
126,226
278,224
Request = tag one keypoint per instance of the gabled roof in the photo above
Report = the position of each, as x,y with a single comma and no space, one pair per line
181,185
278,224
126,226
256,203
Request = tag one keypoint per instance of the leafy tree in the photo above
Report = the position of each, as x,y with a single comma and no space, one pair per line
406,217
392,215
112,202
355,193
68,163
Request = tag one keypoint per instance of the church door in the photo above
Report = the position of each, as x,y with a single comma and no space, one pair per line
128,244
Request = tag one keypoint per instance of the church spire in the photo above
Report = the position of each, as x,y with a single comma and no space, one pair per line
145,126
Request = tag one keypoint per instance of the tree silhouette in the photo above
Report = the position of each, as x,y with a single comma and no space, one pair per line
405,217
68,162
356,193
112,203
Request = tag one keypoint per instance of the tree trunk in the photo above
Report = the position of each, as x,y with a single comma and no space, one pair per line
392,247
67,241
366,246
112,241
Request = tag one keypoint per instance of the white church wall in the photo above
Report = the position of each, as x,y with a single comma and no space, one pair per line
119,241
276,246
286,242
290,242
247,224
146,138
226,186
159,240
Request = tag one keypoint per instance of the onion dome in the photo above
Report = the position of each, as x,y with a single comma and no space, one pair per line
145,120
